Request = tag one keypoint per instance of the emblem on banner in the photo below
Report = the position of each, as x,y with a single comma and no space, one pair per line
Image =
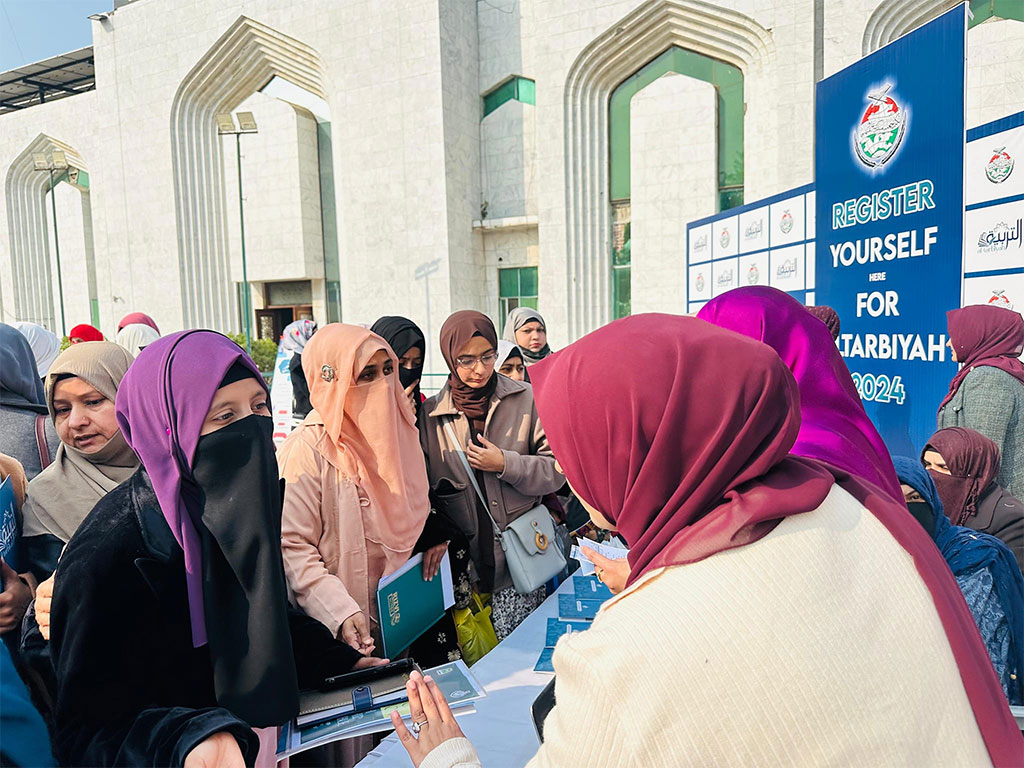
1000,166
753,275
698,283
1001,237
786,222
725,277
724,238
753,230
700,244
786,269
881,129
1000,299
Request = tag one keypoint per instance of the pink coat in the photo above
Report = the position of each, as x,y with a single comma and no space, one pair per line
331,567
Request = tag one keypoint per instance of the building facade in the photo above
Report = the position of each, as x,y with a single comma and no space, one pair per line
421,156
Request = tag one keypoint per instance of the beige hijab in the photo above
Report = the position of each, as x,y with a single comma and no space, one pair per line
62,495
374,440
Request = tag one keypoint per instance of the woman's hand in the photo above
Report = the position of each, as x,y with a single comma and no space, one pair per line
432,561
489,458
14,599
370,661
217,751
44,599
355,630
429,708
410,392
612,573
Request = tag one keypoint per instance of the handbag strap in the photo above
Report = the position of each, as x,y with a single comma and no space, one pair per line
469,470
41,446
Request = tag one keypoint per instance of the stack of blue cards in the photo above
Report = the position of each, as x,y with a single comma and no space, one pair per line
576,611
557,628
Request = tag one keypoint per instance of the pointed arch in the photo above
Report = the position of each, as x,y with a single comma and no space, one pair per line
241,62
623,49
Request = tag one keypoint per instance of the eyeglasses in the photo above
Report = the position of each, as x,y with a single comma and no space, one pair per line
469,361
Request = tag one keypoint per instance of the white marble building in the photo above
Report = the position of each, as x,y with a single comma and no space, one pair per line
420,156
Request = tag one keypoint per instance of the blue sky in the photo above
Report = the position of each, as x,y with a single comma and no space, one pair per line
31,30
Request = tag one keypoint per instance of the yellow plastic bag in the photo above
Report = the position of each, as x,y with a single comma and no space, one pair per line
475,630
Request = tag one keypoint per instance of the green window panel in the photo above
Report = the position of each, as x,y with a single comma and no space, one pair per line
984,10
728,83
514,88
517,287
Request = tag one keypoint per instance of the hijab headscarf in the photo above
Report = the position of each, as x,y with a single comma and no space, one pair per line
456,332
402,335
45,345
137,317
136,337
373,435
517,318
834,425
66,491
973,463
84,332
984,334
295,336
829,317
683,442
506,351
19,378
968,551
221,498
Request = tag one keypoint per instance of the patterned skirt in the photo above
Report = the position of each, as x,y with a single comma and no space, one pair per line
509,609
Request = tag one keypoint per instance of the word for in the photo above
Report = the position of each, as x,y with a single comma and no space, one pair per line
894,346
878,304
879,389
895,245
909,198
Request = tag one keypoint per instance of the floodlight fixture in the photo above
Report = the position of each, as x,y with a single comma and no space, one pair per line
60,160
225,123
246,122
39,162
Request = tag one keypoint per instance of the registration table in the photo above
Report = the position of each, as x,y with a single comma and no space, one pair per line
501,729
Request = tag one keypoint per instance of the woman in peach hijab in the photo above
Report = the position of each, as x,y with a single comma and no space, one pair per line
356,484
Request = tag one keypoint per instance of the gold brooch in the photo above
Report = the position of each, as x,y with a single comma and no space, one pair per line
327,373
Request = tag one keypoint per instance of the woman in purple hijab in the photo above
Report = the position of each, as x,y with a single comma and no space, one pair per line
171,634
834,426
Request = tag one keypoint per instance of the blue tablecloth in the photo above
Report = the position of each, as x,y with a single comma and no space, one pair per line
501,728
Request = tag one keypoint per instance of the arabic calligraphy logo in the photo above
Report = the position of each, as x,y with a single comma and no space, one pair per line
725,277
1000,166
881,130
700,244
725,237
393,612
1000,237
786,222
1000,299
787,268
753,275
753,230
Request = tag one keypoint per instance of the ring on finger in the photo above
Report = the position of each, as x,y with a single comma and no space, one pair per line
600,574
418,724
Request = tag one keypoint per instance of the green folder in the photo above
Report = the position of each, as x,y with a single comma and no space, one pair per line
408,606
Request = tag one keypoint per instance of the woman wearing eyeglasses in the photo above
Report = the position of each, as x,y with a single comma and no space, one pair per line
495,421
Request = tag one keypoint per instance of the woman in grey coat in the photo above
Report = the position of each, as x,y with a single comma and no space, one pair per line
987,395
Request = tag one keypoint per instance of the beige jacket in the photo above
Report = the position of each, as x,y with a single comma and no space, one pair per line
817,645
530,473
332,568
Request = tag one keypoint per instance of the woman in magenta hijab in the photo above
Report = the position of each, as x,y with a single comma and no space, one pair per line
779,609
987,394
834,426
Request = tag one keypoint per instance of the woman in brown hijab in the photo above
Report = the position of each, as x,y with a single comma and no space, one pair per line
495,421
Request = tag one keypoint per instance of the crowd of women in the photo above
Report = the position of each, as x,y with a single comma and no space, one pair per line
792,593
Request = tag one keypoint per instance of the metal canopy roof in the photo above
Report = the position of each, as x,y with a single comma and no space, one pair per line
47,80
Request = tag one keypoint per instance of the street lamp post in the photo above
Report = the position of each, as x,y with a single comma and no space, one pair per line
226,127
56,162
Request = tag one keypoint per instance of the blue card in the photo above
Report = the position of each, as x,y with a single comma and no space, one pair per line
544,662
589,588
558,628
571,608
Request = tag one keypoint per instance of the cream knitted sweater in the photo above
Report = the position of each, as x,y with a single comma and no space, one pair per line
817,645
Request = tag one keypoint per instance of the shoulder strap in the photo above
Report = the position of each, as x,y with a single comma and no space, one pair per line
469,470
44,449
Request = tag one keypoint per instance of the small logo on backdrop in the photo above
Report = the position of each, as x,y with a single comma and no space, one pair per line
1000,166
699,282
753,230
753,275
725,238
786,222
725,277
787,268
1001,237
700,244
1000,299
881,129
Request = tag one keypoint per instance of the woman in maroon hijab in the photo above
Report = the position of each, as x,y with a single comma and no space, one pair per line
964,465
987,394
778,611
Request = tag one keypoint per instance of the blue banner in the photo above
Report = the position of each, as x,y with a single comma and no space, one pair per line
889,167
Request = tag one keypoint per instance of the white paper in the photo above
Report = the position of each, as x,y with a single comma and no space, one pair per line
447,585
612,551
